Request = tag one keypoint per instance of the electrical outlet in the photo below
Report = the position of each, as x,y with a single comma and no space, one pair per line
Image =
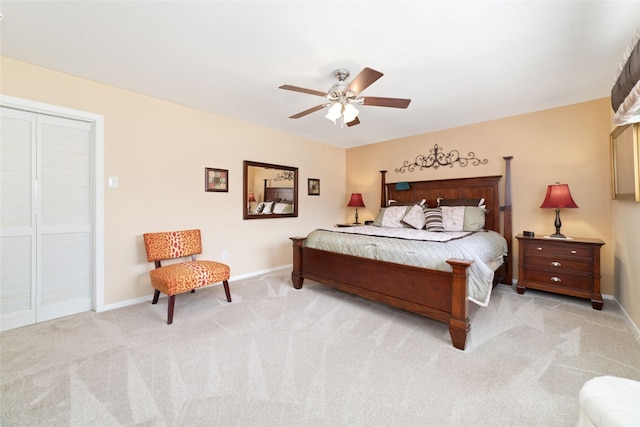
225,255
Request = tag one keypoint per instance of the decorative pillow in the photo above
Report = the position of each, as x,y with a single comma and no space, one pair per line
461,202
391,217
474,218
433,219
453,218
259,208
268,206
378,220
463,218
282,208
414,217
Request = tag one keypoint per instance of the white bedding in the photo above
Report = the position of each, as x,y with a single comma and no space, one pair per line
420,248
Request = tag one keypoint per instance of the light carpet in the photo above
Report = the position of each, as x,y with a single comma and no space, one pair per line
277,356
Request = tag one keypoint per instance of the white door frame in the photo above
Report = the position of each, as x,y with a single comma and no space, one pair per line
98,179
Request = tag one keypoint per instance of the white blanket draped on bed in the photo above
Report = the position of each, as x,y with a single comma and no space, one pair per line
420,248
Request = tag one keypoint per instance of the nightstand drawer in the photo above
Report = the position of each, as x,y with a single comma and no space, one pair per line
559,263
559,278
561,249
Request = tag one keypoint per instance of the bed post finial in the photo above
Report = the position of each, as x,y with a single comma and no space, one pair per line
383,190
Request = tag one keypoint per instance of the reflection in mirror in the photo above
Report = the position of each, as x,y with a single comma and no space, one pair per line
270,191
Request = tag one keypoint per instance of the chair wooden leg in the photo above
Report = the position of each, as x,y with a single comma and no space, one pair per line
172,301
156,295
226,290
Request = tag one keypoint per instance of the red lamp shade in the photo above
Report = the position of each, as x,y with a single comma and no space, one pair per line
558,197
252,198
356,201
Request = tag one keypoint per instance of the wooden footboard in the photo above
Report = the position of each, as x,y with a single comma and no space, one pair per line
434,294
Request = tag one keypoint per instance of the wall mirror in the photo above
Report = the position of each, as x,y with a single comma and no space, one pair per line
625,163
270,191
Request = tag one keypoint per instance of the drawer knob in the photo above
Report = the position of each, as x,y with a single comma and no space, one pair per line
556,264
573,252
538,248
555,279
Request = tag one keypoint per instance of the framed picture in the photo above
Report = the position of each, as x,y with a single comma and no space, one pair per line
625,163
314,187
216,179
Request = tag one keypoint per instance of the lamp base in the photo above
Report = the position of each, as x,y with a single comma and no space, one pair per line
558,236
558,224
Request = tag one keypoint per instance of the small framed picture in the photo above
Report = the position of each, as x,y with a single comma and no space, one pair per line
314,187
216,179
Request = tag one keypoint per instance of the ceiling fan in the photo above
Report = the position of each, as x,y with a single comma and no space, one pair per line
343,97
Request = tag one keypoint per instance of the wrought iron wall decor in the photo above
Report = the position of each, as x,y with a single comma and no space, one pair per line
437,157
284,175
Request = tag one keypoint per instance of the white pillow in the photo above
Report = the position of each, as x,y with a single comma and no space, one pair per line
267,207
453,218
259,208
415,217
280,208
393,216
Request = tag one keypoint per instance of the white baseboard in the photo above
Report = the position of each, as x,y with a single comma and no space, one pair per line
147,298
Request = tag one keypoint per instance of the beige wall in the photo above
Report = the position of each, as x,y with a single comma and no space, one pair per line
158,151
626,236
568,144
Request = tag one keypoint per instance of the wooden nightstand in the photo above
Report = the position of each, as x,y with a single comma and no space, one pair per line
348,225
564,266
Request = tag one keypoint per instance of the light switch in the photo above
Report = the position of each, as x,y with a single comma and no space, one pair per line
113,182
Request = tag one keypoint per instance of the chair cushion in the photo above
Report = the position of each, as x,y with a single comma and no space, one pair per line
182,277
610,401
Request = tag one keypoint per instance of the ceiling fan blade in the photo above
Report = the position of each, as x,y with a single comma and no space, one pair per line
386,102
354,122
365,79
303,90
309,111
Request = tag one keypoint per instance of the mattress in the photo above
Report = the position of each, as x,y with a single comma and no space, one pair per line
421,248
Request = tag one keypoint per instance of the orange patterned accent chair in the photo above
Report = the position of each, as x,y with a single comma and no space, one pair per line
184,276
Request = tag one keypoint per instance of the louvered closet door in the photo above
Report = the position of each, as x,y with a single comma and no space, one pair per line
64,245
47,231
17,219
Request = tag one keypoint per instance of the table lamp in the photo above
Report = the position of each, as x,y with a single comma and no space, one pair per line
558,197
356,202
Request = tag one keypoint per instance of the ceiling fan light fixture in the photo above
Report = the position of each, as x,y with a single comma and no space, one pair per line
334,112
349,113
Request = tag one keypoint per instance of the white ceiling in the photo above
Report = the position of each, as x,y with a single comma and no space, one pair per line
459,62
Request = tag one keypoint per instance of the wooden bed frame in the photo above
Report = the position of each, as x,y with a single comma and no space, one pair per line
434,294
278,193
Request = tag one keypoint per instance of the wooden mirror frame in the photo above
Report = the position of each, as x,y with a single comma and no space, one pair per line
245,190
625,163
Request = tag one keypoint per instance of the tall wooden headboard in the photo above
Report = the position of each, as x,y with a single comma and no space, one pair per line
278,193
486,187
